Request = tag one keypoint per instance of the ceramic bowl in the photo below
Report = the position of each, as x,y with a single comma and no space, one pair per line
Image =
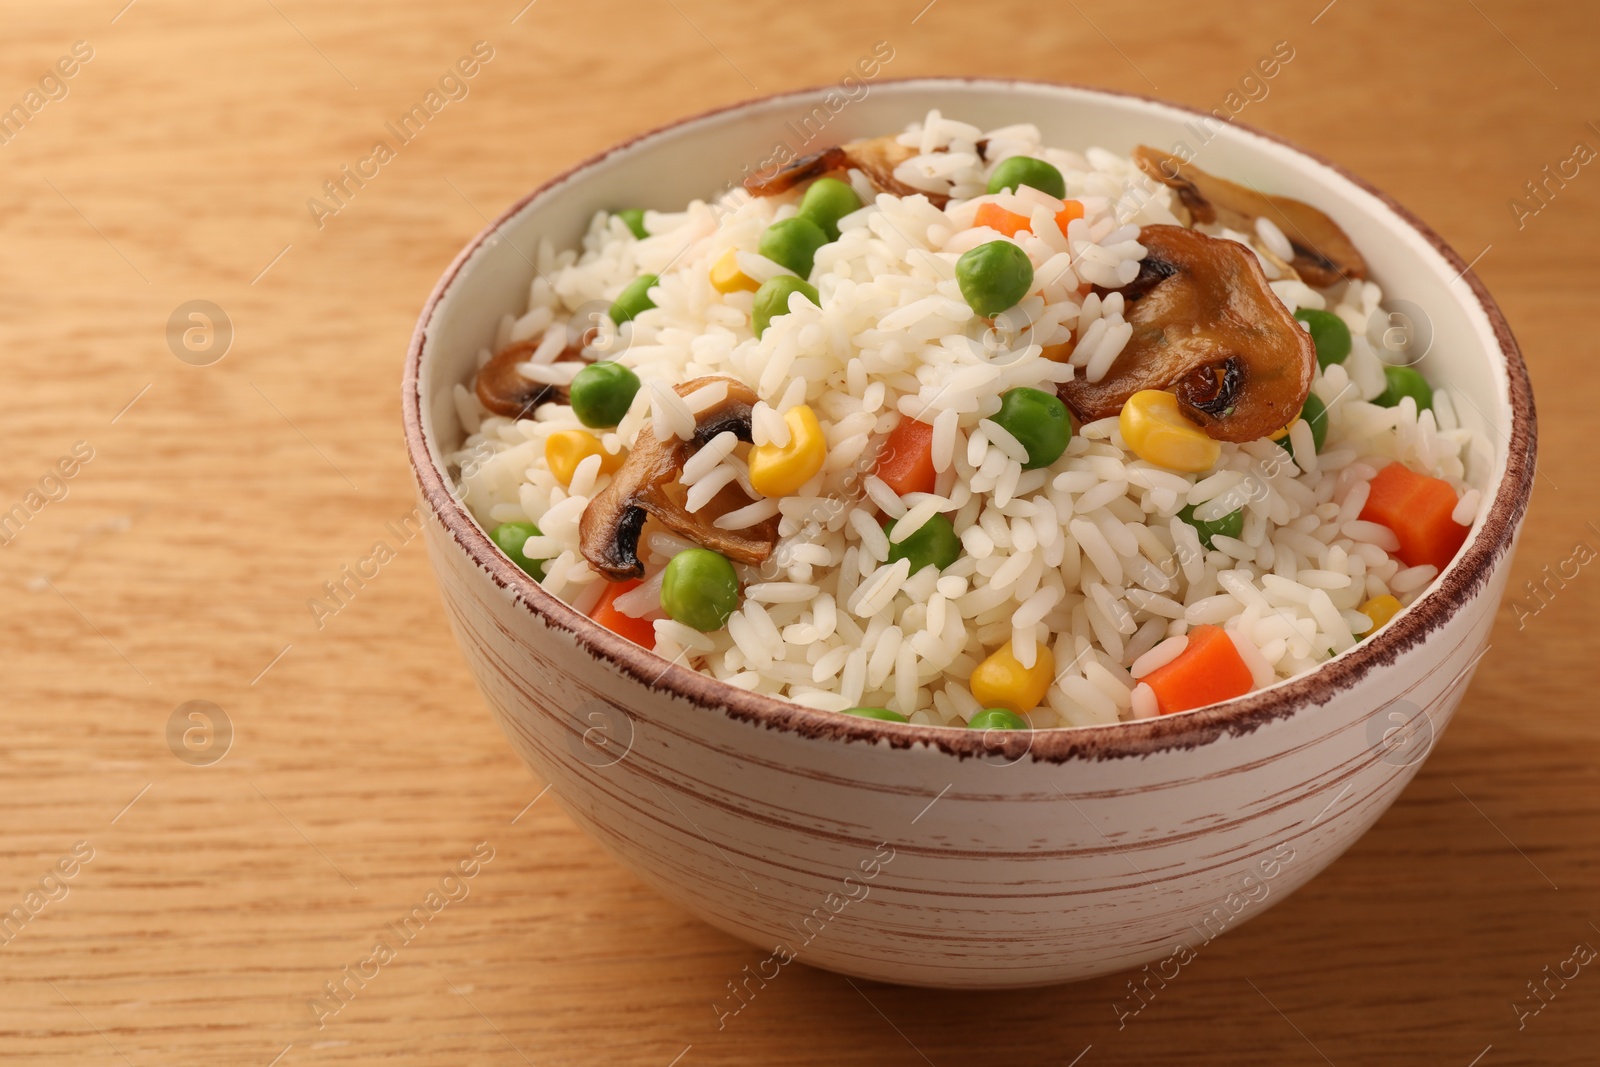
937,856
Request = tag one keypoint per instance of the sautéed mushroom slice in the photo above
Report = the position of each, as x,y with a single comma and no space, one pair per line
876,157
1208,328
1323,253
504,391
647,485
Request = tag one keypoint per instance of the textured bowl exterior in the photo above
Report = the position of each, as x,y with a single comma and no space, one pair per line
998,870
942,857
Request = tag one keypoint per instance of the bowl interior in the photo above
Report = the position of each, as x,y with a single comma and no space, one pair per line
699,158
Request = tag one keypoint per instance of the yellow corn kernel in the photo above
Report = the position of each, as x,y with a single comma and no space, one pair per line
778,471
1002,682
726,277
1159,433
1380,609
565,449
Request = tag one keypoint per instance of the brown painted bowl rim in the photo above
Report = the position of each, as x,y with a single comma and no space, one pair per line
1187,730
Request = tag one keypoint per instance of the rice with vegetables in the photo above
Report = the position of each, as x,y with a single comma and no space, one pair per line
958,428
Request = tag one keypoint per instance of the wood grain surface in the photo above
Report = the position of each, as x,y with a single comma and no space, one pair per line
210,901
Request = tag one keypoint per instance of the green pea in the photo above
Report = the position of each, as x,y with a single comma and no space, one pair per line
634,219
877,713
1025,170
510,537
1328,333
1315,413
793,243
601,393
826,202
994,276
1039,421
935,544
634,299
997,719
1404,382
700,589
772,300
1230,525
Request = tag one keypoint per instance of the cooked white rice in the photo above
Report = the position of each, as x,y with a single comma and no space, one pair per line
1087,556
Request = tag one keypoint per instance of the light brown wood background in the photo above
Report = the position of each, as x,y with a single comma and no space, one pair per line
179,565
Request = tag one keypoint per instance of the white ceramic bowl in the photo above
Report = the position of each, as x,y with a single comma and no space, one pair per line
937,856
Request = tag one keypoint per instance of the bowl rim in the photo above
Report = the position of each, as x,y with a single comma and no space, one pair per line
1468,574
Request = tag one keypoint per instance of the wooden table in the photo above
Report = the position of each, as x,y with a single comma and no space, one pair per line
210,900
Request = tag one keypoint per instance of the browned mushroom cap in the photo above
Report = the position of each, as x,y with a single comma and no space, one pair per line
1206,326
773,183
876,158
503,390
647,485
1323,253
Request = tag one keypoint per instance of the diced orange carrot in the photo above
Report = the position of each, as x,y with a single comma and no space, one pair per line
639,631
1418,509
906,462
998,218
1072,210
1207,671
